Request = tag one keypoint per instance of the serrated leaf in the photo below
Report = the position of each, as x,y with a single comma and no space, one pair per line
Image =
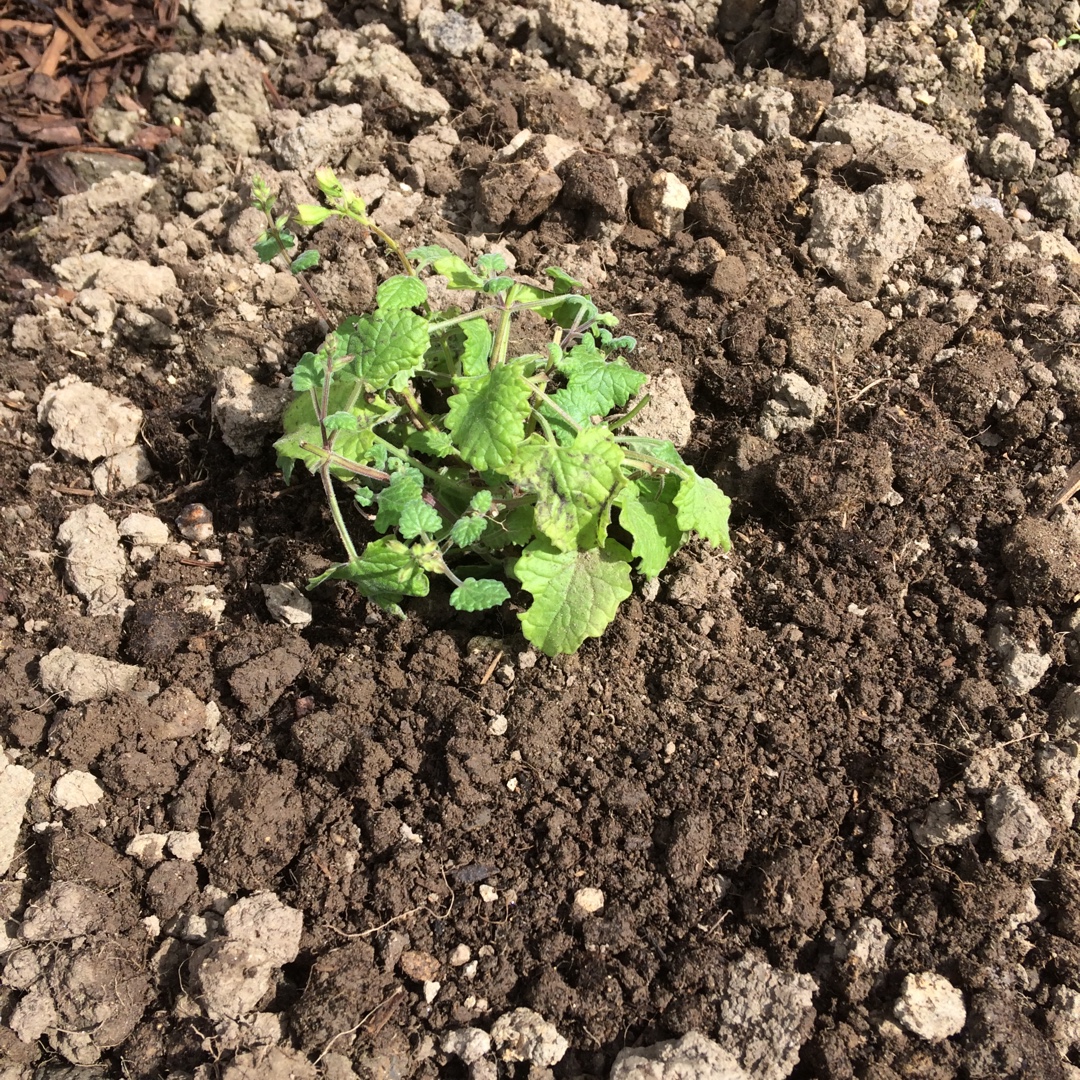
490,264
652,524
457,272
267,248
576,594
400,291
466,531
657,449
385,572
480,503
354,445
428,441
574,486
418,518
387,347
478,594
341,421
564,283
423,257
476,352
305,261
487,416
513,529
405,489
308,372
702,507
497,285
364,496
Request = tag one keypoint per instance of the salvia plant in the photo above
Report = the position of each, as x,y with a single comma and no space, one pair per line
477,462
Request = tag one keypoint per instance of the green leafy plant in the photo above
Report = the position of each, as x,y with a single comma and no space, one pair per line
477,462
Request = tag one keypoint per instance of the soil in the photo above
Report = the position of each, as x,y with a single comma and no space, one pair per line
840,756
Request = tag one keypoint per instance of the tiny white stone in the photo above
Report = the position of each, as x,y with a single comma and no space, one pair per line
460,956
497,725
488,894
184,846
588,901
76,789
287,604
930,1006
148,849
431,989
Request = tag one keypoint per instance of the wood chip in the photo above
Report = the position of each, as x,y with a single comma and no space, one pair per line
47,89
1067,490
19,174
54,52
38,29
82,36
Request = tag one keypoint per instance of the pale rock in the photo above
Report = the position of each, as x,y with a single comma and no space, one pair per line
1060,197
1016,826
590,38
588,901
1063,1019
147,849
34,1014
863,945
246,412
693,1057
16,785
88,422
524,1035
459,956
846,53
230,977
144,530
661,203
448,33
796,405
1047,70
263,920
1005,156
1022,665
82,677
1050,246
857,236
930,1006
95,564
287,604
942,822
1058,767
76,789
184,846
323,137
132,281
469,1043
1027,116
669,414
122,471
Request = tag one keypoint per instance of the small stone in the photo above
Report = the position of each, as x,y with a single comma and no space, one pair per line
96,564
88,422
661,202
431,991
930,1006
524,1035
195,523
185,846
1016,825
497,725
692,1057
287,604
488,894
76,789
448,33
82,677
122,471
469,1043
942,823
246,412
147,849
1006,157
460,956
144,530
421,966
16,786
588,901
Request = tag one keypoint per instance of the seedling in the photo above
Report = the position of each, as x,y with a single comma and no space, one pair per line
479,463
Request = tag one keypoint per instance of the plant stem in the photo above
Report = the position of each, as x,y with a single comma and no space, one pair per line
335,511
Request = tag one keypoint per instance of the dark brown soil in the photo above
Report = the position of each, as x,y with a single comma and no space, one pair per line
737,764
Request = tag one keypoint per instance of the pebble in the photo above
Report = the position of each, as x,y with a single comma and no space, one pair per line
588,901
460,956
88,422
524,1035
661,202
930,1006
76,789
469,1043
488,894
195,523
287,604
497,725
1016,825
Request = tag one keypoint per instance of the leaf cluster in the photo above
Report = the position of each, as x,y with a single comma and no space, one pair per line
482,463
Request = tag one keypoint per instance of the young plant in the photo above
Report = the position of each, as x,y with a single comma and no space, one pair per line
477,462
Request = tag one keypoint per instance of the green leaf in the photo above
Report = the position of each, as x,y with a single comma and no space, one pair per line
387,347
496,286
467,531
457,272
308,372
341,421
480,503
423,257
656,449
651,522
436,444
564,283
514,529
475,354
418,518
401,291
305,261
328,183
406,488
574,485
310,215
356,446
575,594
487,416
476,594
491,264
385,572
704,508
266,247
